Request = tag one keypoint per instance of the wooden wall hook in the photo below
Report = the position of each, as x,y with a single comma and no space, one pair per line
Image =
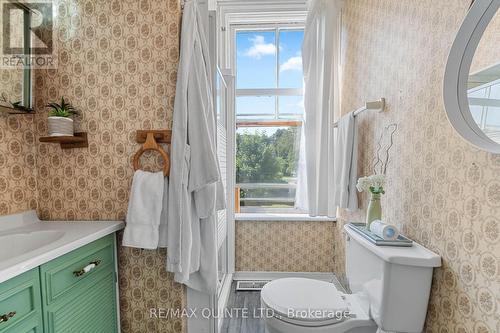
160,136
150,138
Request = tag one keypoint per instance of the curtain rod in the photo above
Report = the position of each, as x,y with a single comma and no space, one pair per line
372,105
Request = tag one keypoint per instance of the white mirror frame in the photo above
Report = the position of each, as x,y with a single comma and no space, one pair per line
457,74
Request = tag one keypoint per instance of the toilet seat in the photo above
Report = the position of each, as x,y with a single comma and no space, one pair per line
304,302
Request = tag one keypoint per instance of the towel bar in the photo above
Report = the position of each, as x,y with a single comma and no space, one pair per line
374,105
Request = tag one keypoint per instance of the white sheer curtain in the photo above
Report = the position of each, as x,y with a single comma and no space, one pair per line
320,58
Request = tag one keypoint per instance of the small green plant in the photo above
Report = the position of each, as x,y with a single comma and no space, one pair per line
64,109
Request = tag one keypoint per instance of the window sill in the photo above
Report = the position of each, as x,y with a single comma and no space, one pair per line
284,217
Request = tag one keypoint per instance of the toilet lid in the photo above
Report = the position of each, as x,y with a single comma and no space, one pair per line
305,301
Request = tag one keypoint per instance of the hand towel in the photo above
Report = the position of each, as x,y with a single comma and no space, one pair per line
144,210
345,171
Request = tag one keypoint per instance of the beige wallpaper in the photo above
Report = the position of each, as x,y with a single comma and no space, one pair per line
17,164
442,192
284,246
117,65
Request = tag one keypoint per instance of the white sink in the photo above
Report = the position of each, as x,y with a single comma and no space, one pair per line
26,242
19,243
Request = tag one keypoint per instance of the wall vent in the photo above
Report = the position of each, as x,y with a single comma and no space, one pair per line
250,285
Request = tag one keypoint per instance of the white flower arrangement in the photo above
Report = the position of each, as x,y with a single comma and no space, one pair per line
374,184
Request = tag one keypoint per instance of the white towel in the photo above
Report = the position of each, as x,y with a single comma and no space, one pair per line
144,215
345,172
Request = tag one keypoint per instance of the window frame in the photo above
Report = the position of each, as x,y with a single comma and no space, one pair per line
484,102
255,92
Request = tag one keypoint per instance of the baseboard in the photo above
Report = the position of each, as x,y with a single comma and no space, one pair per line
269,276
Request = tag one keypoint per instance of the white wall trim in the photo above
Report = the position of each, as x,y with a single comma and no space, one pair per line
223,298
283,217
269,276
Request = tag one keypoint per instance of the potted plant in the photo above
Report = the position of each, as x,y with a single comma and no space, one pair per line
60,122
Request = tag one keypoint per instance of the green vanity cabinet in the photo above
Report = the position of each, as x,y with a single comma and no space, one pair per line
74,293
79,301
20,304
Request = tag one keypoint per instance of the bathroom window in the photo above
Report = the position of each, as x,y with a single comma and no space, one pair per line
269,113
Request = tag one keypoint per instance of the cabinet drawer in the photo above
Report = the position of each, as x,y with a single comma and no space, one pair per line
20,304
66,274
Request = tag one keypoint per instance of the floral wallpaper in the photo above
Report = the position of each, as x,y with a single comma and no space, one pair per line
442,192
117,63
284,246
17,164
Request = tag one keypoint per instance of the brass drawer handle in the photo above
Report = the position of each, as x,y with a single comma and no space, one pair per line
88,268
7,316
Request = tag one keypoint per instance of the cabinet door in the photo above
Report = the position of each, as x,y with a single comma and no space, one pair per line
20,304
91,311
82,302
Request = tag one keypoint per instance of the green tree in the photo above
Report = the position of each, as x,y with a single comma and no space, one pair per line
256,159
285,143
264,158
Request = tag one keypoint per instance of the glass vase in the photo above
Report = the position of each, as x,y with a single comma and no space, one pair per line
374,211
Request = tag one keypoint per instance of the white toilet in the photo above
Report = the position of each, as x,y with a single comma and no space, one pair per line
390,290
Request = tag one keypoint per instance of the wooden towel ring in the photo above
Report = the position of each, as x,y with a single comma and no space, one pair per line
151,144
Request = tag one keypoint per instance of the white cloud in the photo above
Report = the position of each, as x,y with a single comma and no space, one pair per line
260,48
292,64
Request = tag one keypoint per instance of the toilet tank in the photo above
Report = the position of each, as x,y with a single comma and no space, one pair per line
395,280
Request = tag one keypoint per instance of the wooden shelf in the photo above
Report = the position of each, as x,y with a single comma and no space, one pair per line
68,142
12,110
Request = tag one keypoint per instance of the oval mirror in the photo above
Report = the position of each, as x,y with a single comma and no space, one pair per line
472,77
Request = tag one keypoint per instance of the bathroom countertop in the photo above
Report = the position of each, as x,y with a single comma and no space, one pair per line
27,242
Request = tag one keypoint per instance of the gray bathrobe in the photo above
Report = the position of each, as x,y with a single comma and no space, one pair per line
195,192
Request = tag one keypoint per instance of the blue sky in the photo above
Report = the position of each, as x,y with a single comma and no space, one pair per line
256,58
